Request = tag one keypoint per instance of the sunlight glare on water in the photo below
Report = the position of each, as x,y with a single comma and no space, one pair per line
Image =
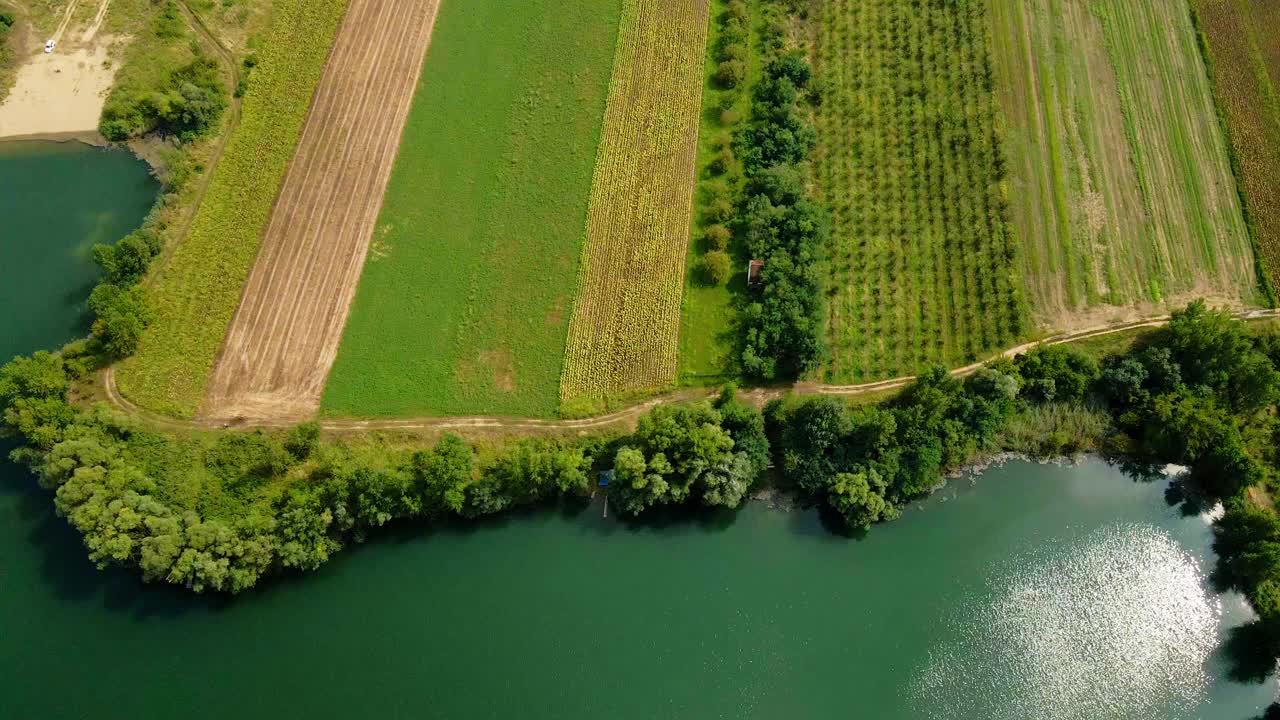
1115,625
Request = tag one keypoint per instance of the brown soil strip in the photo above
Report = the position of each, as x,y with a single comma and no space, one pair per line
285,334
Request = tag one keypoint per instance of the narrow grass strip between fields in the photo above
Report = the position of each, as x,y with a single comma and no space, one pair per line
196,293
708,336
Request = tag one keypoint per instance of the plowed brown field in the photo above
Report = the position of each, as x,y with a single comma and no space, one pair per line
285,334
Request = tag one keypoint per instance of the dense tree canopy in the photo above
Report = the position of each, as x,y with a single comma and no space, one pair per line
865,462
710,453
783,332
122,314
187,104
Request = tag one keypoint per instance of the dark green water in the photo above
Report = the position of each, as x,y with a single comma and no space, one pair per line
56,201
1034,592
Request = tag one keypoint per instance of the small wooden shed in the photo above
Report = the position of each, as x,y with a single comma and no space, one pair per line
754,268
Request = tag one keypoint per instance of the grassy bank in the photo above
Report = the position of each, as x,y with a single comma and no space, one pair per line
196,291
8,53
464,304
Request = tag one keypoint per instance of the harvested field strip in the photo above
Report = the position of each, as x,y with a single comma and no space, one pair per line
624,335
464,303
1121,191
196,292
285,335
1244,42
909,165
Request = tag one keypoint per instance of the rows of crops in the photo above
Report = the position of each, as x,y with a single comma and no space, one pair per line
1244,40
197,291
1122,194
623,336
1177,147
909,165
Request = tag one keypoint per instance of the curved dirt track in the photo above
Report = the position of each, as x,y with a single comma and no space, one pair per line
756,396
285,333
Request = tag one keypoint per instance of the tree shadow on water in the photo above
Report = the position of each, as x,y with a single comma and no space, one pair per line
820,522
1189,501
669,518
1141,471
1250,652
1272,712
64,569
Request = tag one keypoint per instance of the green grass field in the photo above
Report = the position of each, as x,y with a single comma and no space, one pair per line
922,260
466,296
196,291
1121,190
1244,42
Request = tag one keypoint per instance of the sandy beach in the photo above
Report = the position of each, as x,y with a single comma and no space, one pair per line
61,94
58,93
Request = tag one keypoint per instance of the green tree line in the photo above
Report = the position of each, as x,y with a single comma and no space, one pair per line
783,335
219,511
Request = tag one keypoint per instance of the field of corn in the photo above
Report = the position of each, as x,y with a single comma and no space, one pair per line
197,290
1243,37
923,264
624,333
1121,191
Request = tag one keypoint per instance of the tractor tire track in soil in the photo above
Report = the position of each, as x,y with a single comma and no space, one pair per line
626,416
285,334
66,21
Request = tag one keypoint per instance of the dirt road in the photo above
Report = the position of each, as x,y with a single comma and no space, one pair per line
285,333
622,417
66,21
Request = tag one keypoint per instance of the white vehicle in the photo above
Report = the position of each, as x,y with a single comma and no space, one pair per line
48,46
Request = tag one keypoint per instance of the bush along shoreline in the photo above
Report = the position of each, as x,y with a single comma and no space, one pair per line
218,511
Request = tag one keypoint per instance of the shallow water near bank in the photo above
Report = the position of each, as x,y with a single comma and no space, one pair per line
1030,592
